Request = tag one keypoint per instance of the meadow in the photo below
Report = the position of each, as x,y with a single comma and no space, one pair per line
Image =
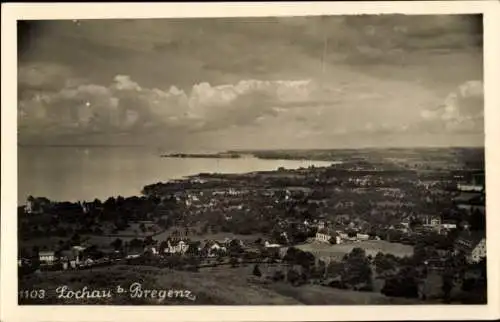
371,247
236,286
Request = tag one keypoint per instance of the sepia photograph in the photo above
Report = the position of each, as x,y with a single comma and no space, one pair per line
299,160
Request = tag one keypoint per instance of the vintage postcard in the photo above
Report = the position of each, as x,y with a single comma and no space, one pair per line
227,161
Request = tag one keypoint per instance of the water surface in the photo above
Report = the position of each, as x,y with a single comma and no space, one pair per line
79,173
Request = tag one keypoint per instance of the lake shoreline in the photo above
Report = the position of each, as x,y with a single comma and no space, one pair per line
76,174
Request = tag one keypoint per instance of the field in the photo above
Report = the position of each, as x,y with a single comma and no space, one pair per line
371,247
219,286
43,243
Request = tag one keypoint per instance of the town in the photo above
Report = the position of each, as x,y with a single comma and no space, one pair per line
394,225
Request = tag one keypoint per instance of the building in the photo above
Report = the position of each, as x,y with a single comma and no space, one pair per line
70,258
47,257
36,205
151,250
448,225
326,235
133,255
269,245
23,262
406,223
464,225
342,235
432,221
283,251
176,247
475,185
211,248
362,236
472,244
215,249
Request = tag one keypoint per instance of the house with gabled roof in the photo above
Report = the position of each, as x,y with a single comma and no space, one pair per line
472,244
176,246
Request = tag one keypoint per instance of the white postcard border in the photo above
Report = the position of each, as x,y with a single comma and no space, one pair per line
10,311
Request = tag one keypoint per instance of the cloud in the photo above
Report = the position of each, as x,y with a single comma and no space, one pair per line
42,76
124,105
226,78
462,110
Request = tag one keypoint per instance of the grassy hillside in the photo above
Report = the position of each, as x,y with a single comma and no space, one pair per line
211,287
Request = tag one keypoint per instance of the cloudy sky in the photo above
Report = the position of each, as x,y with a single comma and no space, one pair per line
297,82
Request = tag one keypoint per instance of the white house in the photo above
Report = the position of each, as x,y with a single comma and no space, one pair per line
448,225
269,245
133,255
215,249
70,256
362,236
180,247
470,187
476,184
326,235
47,257
342,235
432,221
87,262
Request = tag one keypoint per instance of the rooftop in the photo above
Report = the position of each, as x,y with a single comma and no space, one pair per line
468,240
46,253
327,231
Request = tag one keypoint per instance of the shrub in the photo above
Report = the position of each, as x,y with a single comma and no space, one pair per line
256,271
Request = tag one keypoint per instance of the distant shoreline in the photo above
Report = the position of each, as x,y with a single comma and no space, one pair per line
222,155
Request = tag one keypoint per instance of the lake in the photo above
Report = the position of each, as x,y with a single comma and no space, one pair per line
81,173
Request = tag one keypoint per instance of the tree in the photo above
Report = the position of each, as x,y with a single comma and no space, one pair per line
93,252
357,271
404,284
299,257
385,262
117,244
415,222
35,258
149,241
293,276
234,248
351,234
335,269
75,239
136,243
477,220
278,276
256,271
447,286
